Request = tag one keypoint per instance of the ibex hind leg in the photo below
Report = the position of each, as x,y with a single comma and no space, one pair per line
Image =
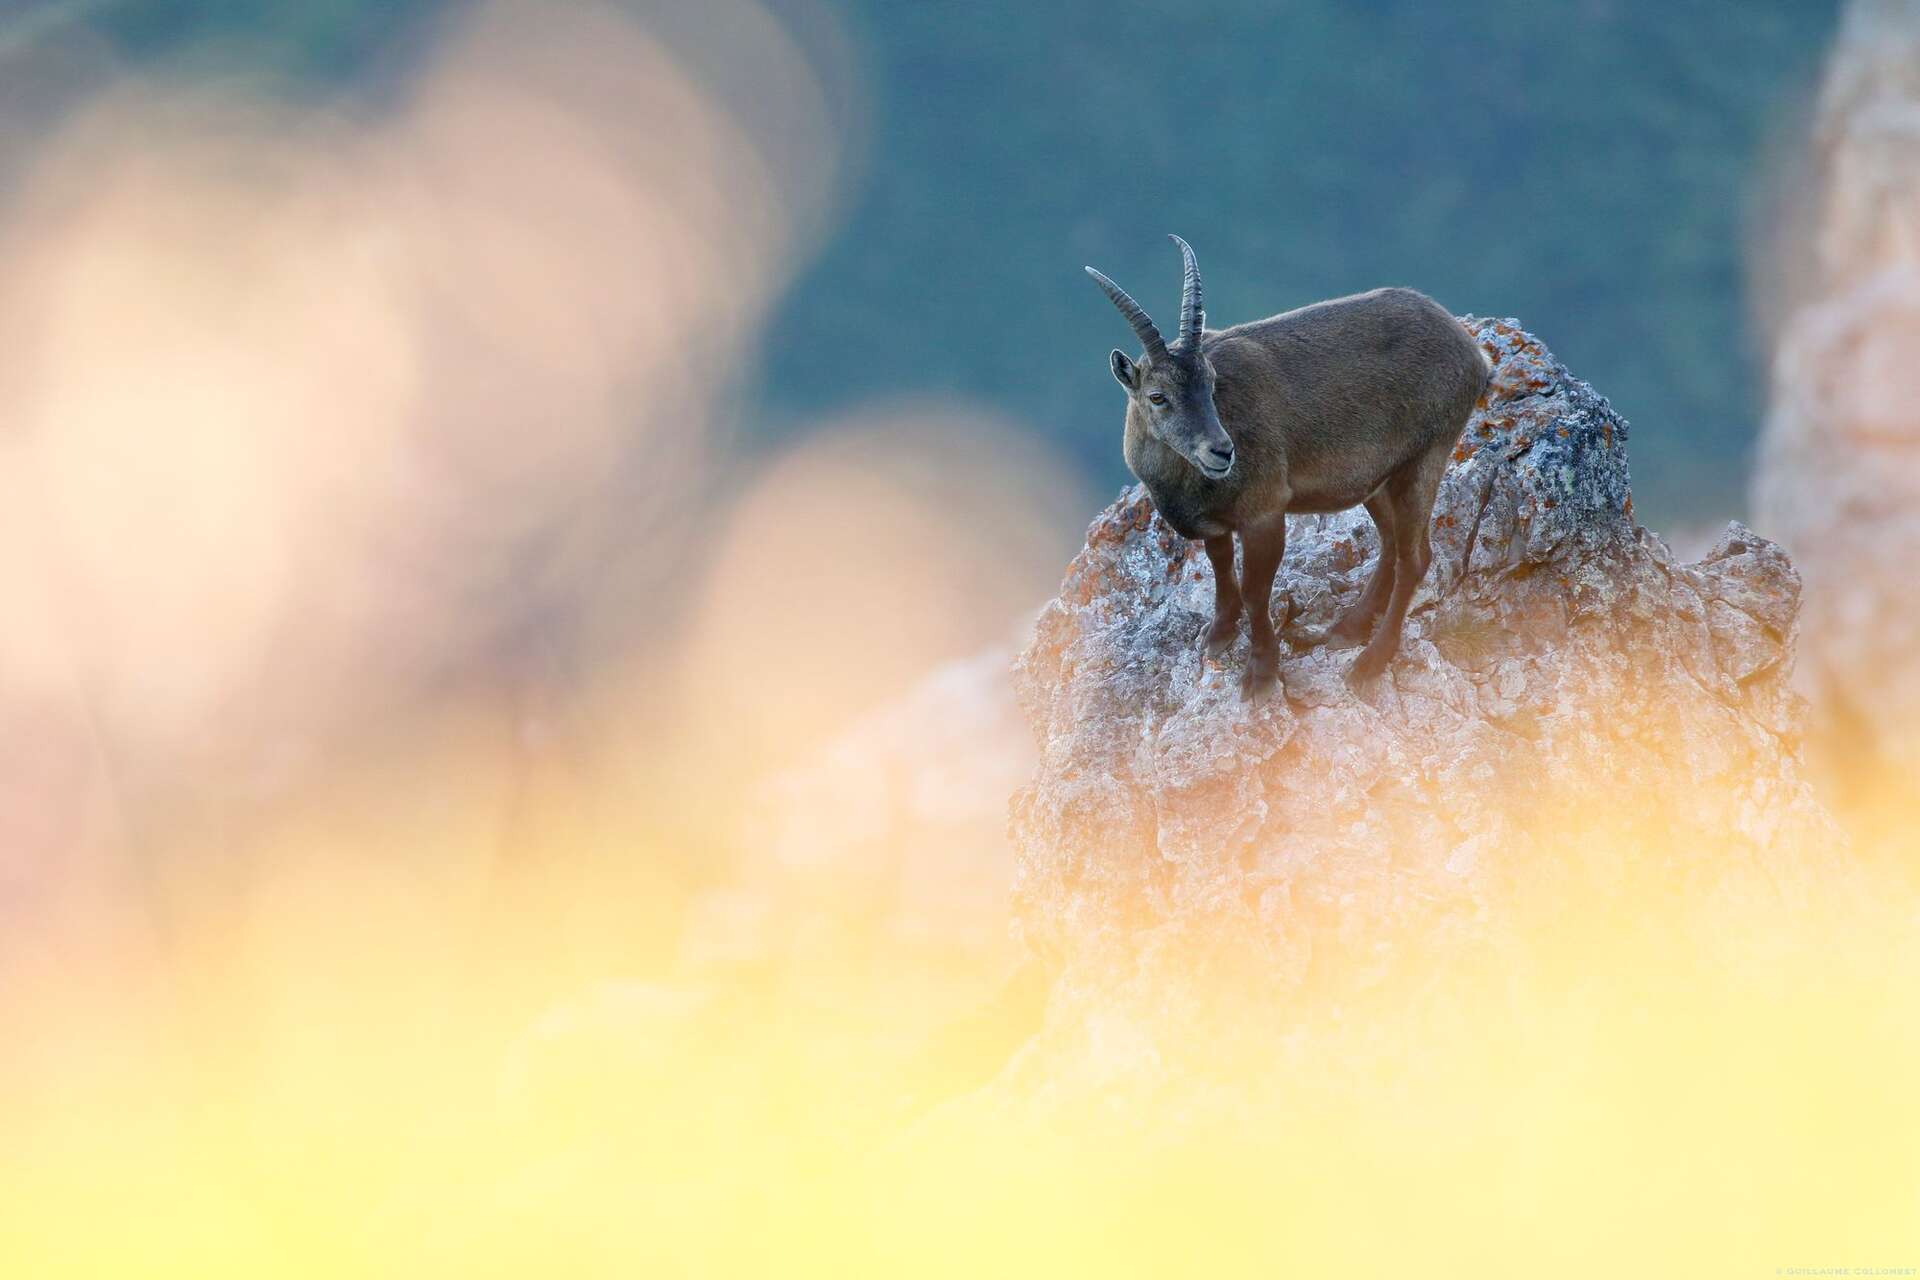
1411,492
1356,624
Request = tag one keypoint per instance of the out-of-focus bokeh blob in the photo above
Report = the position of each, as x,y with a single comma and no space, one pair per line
907,533
391,626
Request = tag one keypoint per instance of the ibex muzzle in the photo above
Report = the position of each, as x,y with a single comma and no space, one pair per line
1355,401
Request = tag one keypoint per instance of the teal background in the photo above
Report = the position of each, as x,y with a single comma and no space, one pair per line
1592,168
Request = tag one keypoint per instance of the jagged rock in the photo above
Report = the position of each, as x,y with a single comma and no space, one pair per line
1836,477
1575,717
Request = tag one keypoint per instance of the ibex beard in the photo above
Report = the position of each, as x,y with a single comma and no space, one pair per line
1358,401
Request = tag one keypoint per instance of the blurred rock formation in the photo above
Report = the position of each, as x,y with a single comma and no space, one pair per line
1839,470
890,846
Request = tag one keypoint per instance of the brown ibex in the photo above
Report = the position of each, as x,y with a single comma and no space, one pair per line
1357,400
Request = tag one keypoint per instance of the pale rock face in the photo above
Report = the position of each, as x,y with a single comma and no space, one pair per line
1839,472
1575,715
1840,481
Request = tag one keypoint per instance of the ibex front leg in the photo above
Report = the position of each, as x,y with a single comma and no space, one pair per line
1226,596
1261,549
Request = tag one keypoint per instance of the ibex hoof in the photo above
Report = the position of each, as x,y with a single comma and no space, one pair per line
1220,637
1366,669
1260,677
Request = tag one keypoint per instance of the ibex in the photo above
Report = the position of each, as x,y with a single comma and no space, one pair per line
1357,400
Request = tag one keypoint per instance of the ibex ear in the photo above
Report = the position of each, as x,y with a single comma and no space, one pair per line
1124,371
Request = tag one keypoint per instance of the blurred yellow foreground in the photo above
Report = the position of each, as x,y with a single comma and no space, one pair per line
393,644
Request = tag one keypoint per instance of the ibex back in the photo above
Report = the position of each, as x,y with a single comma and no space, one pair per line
1359,400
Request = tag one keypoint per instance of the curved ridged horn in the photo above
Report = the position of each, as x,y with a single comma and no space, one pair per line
1143,326
1193,316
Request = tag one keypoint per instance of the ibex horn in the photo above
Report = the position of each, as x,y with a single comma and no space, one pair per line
1143,326
1193,315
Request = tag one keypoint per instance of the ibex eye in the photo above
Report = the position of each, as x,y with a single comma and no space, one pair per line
1157,398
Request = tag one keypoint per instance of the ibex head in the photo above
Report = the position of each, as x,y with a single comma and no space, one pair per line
1172,385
